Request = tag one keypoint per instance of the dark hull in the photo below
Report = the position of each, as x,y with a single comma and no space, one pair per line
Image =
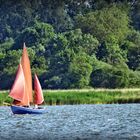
25,110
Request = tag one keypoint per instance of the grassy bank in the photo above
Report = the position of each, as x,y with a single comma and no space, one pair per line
91,96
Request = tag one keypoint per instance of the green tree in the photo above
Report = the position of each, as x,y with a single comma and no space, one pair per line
55,13
112,54
79,71
8,69
132,45
108,76
79,41
135,15
4,48
64,52
134,79
112,21
38,34
15,18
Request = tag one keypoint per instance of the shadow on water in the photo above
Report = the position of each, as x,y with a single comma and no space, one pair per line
73,122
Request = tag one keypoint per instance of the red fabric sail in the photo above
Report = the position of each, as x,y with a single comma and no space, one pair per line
38,97
18,89
25,62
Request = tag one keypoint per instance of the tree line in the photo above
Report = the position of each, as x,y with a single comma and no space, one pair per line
72,44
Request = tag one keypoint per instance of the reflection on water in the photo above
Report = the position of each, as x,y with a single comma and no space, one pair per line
77,122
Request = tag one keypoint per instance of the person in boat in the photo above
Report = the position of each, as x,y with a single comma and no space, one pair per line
18,103
37,107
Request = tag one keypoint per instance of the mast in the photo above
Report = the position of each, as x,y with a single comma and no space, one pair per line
38,94
25,62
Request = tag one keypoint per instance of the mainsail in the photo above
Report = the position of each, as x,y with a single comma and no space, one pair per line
25,62
18,91
38,95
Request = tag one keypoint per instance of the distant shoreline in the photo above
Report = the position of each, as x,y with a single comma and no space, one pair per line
83,96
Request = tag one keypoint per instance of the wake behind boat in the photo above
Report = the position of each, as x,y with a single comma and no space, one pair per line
21,90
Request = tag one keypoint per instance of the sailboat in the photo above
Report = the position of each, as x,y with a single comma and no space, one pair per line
21,90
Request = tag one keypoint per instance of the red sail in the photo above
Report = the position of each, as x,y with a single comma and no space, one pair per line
18,89
25,62
38,97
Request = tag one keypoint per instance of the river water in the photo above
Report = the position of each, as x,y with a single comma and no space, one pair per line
73,122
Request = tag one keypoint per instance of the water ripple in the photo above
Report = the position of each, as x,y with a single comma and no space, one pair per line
77,122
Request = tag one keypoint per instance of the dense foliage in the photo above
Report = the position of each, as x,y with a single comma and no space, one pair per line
72,44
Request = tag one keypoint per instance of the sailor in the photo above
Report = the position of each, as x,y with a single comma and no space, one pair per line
36,106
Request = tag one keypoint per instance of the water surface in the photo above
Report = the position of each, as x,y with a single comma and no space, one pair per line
73,122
